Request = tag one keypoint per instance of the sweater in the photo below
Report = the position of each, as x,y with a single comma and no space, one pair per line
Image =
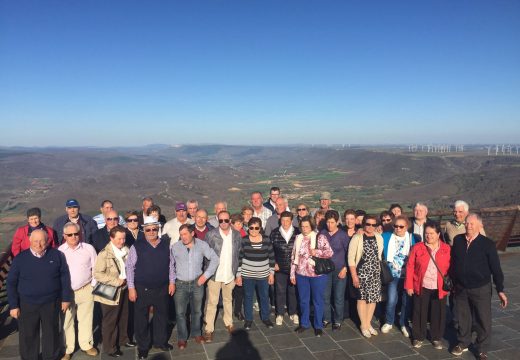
473,266
283,249
38,280
339,243
256,260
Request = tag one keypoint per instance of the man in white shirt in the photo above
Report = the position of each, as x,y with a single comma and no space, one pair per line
171,228
226,242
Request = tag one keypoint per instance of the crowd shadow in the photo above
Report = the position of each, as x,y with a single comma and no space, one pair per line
238,347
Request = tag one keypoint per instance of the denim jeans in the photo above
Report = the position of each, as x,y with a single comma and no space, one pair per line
188,292
314,286
395,288
336,290
249,294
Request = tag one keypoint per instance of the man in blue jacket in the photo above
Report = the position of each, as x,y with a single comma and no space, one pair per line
87,226
38,287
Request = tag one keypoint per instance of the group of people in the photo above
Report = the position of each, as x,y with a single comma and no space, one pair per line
307,264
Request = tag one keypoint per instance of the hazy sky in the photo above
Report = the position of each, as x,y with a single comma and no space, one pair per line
259,72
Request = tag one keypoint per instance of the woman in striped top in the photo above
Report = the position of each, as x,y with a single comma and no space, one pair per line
256,271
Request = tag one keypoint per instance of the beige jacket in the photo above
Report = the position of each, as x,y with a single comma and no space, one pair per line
106,272
355,248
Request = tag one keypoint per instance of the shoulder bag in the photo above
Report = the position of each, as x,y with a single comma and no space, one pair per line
106,291
447,283
386,274
321,265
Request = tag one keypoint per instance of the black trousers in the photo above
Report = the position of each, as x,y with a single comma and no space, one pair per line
32,317
473,307
421,305
159,299
115,324
238,300
285,294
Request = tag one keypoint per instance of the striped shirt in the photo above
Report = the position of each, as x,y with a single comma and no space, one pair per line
256,260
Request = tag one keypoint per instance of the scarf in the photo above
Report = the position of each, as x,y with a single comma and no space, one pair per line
398,250
287,234
31,229
298,244
120,255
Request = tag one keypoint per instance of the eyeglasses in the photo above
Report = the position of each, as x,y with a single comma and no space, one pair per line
132,220
224,221
254,228
387,220
151,230
399,226
113,219
371,224
302,209
72,234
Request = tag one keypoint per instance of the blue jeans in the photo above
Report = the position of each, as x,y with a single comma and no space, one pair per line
335,289
395,288
188,292
314,286
249,294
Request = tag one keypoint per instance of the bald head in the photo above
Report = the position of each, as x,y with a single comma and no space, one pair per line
38,241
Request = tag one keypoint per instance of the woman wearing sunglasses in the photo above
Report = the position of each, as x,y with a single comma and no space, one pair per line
364,256
256,272
397,245
306,246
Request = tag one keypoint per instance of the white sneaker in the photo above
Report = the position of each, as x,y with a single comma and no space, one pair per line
295,319
279,320
386,328
405,332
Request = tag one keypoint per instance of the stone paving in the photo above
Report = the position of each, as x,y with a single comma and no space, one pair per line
282,342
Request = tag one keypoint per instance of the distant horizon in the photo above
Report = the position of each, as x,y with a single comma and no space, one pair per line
470,145
119,73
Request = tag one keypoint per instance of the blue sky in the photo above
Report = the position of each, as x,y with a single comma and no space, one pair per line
107,73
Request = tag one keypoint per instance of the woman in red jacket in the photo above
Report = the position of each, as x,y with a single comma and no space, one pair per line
424,282
21,236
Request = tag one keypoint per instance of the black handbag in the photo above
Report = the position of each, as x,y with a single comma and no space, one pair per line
386,274
447,283
105,291
321,265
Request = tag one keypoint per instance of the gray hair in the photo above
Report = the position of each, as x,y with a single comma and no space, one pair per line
221,202
418,204
45,235
476,216
461,203
70,224
195,202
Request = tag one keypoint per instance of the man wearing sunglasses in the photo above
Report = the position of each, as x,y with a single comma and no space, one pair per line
101,237
226,242
150,276
81,258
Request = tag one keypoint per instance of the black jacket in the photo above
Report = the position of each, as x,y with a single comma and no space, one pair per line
282,249
100,239
472,267
88,227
